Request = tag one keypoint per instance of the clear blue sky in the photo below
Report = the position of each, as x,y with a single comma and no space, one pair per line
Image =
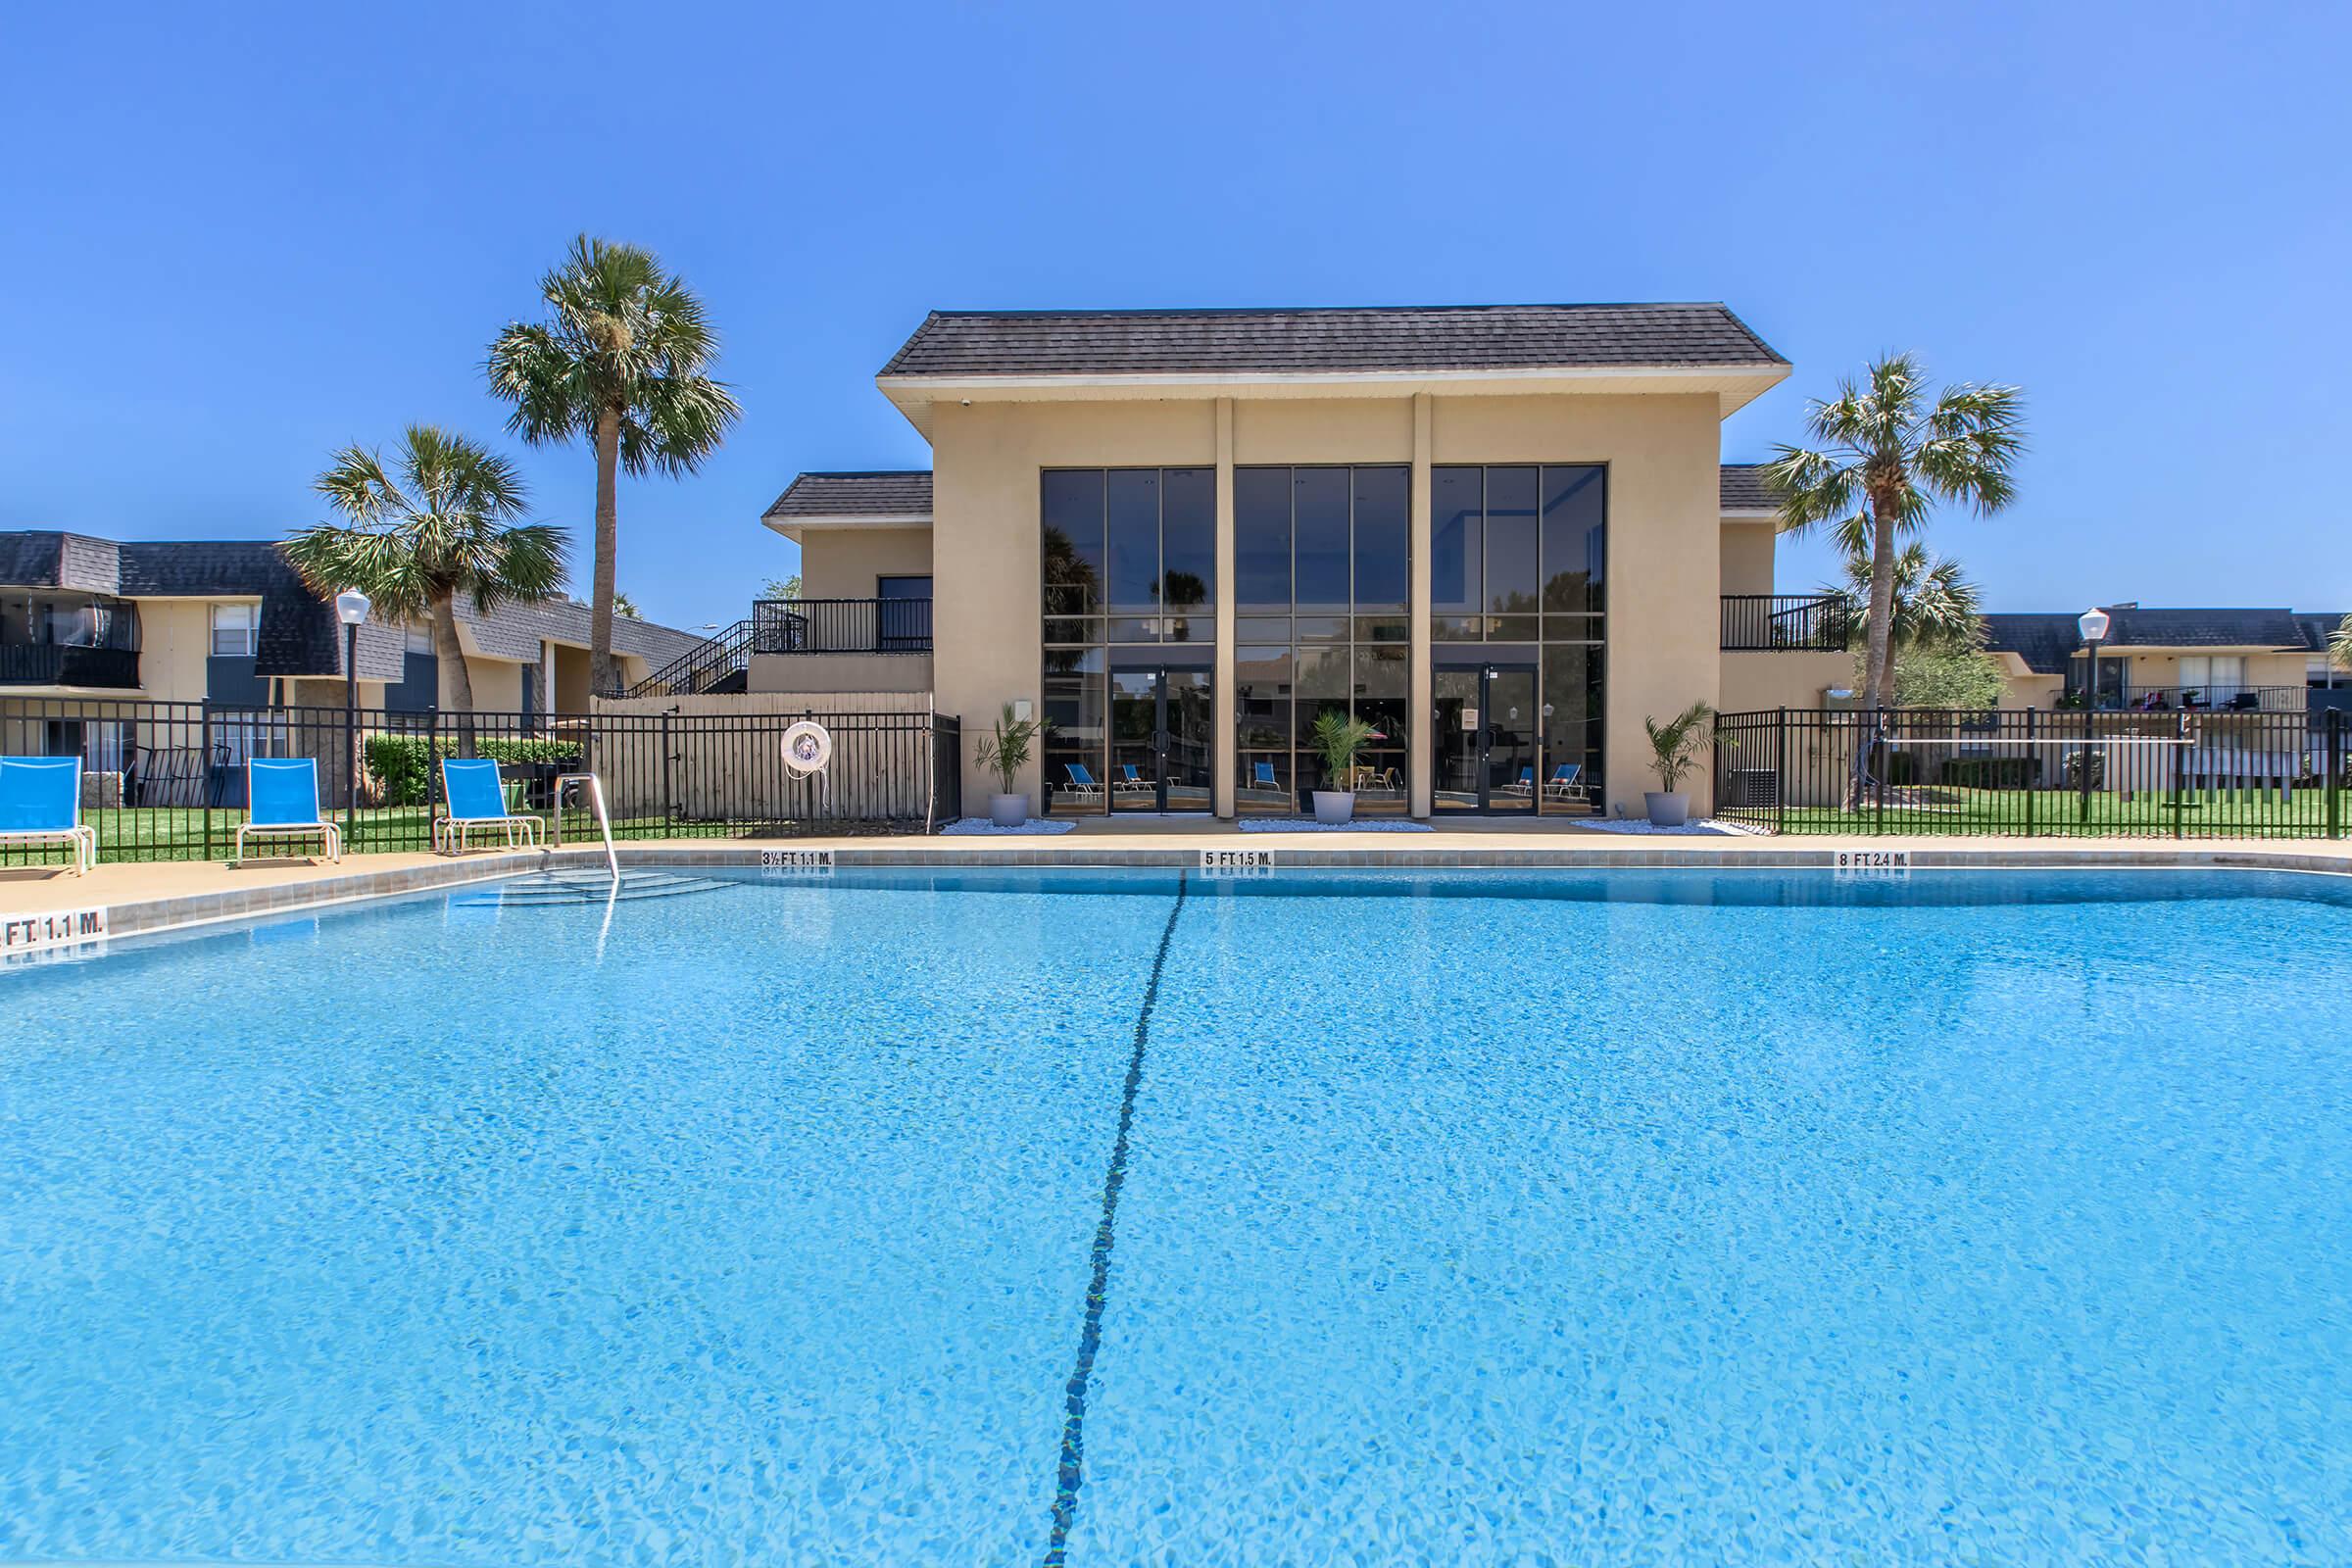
238,237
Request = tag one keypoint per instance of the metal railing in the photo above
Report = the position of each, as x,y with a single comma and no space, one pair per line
1785,623
2195,699
166,781
707,667
841,626
2031,772
66,664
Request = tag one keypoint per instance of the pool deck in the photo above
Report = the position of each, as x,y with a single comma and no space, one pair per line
156,895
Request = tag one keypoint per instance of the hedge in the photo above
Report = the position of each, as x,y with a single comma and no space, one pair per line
400,765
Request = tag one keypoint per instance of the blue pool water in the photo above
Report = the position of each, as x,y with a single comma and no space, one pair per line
1668,1218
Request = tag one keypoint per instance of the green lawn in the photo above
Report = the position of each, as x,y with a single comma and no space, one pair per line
1947,809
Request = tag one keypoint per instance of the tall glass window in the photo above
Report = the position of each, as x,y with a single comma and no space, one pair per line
1321,575
1128,569
1516,627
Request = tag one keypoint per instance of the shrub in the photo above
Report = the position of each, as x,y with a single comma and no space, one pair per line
1994,772
401,766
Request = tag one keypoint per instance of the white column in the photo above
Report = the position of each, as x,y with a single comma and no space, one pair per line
1222,750
1420,764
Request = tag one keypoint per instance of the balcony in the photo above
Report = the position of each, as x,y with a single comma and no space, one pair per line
1804,623
62,664
2194,700
841,626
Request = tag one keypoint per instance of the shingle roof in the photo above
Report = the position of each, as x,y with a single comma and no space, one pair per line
299,634
2319,625
1336,340
1743,488
2046,641
871,493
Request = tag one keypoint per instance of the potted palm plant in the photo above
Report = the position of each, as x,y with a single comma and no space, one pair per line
1674,747
1336,740
1004,754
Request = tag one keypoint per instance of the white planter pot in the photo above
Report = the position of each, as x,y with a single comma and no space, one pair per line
1008,811
1334,806
1667,810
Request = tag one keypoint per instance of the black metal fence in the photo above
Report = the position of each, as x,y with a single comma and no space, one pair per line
167,781
2025,772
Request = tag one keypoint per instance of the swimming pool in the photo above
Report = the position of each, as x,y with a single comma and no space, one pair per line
1124,1216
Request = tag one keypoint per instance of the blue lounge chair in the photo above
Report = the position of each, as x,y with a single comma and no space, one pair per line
1567,783
470,786
1262,777
41,802
284,794
1082,785
1130,778
1525,784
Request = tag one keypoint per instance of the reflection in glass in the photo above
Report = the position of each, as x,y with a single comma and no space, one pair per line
1381,544
1132,512
1261,539
1574,537
1320,518
1457,559
1073,542
1512,582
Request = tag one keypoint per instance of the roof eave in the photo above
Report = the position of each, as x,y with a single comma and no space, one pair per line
1735,385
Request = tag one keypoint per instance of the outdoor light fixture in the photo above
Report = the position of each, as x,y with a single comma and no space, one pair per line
2093,623
351,608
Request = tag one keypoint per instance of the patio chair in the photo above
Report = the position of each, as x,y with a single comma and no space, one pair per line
282,794
1567,783
476,800
41,802
1082,786
1262,777
1524,784
1129,777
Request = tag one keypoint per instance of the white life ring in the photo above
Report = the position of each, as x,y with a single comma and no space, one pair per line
808,746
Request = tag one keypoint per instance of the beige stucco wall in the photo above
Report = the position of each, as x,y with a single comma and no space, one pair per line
1665,553
175,638
840,672
1755,681
1747,557
845,562
497,685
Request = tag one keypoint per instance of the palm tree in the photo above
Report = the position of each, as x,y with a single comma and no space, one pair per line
1883,456
445,525
2339,646
1936,606
621,362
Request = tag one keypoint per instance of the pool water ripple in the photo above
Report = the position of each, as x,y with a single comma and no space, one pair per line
1661,1217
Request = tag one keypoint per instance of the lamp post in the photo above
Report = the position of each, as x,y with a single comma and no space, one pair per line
351,608
2093,624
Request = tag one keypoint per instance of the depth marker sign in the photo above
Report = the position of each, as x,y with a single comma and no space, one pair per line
62,928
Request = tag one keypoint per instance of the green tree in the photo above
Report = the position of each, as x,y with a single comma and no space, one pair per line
1934,604
622,363
1883,453
2339,646
623,605
442,520
1948,675
781,587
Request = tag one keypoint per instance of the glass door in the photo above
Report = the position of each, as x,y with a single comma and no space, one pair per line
1486,750
1162,737
1136,739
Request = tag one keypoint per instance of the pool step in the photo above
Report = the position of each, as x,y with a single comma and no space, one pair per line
587,887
